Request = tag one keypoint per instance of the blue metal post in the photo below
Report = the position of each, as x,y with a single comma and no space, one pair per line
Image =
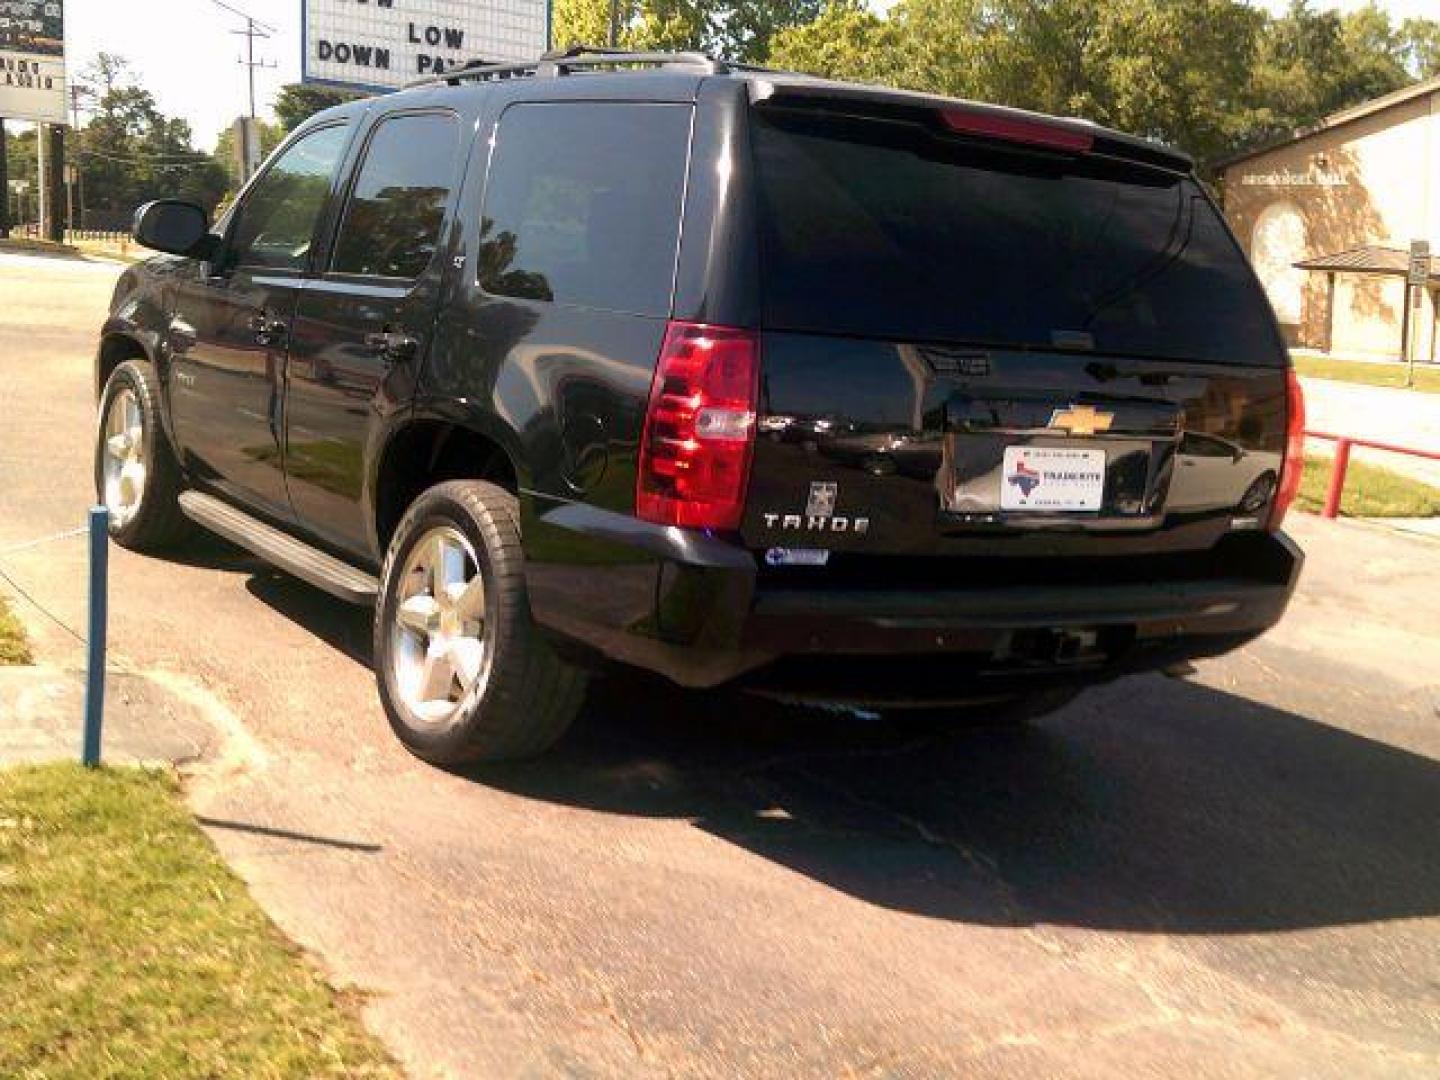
95,637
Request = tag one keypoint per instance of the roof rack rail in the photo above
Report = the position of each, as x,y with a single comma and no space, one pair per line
563,61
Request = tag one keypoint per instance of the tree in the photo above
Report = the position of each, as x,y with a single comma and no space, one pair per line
130,152
20,164
1312,63
1165,68
846,41
1211,76
297,102
1421,39
735,29
271,135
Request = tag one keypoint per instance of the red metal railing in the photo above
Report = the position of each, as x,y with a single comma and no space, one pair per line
1343,443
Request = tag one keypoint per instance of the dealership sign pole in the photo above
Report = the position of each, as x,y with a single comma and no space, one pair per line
32,70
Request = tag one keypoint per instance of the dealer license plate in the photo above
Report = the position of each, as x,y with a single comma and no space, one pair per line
1052,478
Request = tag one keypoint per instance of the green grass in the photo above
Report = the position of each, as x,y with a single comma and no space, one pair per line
1370,491
128,949
1427,377
13,647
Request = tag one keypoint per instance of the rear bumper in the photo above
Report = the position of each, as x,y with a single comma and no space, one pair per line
699,611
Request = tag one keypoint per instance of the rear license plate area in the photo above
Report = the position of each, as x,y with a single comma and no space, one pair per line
1054,479
980,490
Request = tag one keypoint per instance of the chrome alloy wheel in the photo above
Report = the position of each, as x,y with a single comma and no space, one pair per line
124,468
439,646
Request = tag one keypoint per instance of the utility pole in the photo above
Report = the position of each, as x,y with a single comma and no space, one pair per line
76,177
254,28
250,33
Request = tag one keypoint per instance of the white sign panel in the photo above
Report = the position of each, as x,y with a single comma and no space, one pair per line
32,60
383,44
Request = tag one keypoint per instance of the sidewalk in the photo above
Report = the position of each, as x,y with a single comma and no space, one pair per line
42,716
1400,417
152,717
1301,353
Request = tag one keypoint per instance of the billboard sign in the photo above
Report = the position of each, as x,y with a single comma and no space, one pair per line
32,60
383,44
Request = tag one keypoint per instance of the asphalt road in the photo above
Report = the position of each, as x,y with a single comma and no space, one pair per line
1236,874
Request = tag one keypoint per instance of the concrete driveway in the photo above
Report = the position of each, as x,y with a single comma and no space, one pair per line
1233,875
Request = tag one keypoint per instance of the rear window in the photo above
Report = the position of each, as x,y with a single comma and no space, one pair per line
889,229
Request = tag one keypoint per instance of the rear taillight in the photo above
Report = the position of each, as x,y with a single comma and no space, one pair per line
1293,463
699,428
1017,129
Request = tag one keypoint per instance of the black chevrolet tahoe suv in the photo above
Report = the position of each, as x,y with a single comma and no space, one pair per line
822,391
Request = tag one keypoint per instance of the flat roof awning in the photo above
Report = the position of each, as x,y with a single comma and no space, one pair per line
1387,262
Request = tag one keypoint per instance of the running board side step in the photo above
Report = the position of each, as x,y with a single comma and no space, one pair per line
281,549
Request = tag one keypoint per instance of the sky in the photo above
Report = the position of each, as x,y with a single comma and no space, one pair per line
186,56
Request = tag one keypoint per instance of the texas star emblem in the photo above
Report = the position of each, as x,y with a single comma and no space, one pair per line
1025,478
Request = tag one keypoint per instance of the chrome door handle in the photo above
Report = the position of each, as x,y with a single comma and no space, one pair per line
268,330
182,335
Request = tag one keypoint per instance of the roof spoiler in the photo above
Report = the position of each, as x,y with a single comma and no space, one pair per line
1063,134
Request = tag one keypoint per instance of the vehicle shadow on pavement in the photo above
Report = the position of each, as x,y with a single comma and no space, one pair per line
1151,805
346,628
343,627
210,552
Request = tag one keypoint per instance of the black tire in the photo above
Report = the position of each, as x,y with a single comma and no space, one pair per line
157,521
1010,713
527,696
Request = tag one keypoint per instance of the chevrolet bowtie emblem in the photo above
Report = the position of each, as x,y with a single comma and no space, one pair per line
1081,420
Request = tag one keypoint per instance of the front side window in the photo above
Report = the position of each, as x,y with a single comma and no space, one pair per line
392,222
275,225
583,203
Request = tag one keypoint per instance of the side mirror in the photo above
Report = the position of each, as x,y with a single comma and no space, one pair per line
175,227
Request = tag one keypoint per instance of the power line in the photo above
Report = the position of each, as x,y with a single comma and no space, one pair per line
179,156
200,161
245,15
195,157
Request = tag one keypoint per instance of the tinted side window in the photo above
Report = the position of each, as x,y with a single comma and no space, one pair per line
392,222
276,223
583,204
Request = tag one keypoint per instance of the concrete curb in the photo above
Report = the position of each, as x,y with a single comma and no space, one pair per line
36,247
152,718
